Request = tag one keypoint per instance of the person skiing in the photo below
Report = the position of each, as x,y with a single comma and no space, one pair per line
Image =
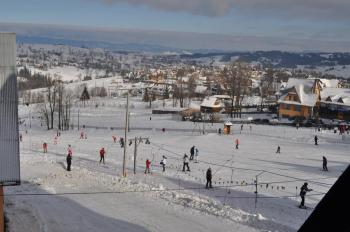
185,160
20,137
241,128
237,143
278,149
45,147
163,162
102,155
324,163
219,131
208,176
69,157
303,190
114,138
196,155
316,140
192,152
148,165
121,142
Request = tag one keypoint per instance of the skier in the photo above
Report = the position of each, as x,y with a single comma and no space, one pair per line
121,142
316,140
208,176
192,152
241,128
69,157
303,190
185,159
20,137
114,138
324,163
219,131
102,155
278,149
45,147
196,155
148,165
163,163
237,143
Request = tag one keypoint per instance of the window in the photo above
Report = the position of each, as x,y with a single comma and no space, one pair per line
298,108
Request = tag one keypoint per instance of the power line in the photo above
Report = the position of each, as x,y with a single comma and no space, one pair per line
247,169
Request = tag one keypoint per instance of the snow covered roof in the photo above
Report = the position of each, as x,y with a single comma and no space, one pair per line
228,123
210,102
336,95
200,89
222,96
303,88
330,83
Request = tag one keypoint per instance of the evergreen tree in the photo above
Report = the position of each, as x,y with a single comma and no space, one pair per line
166,92
85,95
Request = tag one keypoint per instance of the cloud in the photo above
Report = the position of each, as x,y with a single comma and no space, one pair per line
211,8
311,9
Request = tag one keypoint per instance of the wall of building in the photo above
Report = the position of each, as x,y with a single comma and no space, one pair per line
287,110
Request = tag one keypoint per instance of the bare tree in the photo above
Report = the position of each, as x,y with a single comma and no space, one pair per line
234,77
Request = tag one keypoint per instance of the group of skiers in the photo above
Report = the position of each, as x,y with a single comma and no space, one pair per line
163,163
194,153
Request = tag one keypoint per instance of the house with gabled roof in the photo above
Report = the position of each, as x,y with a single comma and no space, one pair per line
299,98
335,103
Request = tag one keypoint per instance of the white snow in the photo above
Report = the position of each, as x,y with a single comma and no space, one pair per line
94,196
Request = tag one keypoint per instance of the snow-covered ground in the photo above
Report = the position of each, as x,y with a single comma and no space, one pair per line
94,196
337,70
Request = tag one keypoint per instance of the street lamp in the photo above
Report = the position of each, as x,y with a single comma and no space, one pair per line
30,120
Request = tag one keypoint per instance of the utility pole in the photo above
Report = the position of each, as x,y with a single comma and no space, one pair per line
256,187
78,117
129,122
125,133
135,155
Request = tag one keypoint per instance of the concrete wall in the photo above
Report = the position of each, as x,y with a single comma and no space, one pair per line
9,142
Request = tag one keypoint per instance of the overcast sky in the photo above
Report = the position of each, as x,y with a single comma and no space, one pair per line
293,19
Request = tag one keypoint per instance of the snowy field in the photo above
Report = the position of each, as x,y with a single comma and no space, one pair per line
94,196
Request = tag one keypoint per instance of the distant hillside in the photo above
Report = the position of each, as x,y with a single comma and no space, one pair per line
281,59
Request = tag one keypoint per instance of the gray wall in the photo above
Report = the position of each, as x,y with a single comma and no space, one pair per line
9,142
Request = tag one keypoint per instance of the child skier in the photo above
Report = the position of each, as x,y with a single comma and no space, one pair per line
278,149
237,143
208,177
45,147
186,161
163,162
303,190
148,166
69,157
102,155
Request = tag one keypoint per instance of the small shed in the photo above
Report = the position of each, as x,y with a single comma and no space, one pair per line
227,127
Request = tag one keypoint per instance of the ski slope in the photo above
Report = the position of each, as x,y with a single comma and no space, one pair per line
94,196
